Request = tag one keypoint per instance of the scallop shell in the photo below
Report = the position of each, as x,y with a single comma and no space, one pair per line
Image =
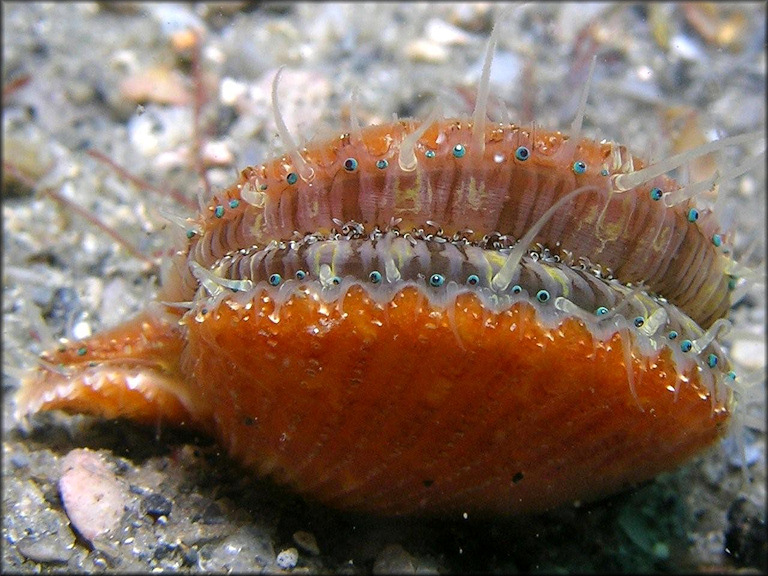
425,391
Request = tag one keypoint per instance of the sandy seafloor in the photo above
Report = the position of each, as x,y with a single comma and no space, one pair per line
63,272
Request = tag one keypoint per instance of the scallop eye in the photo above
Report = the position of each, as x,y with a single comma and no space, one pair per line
656,194
473,279
639,321
375,276
516,289
300,274
686,345
579,167
522,153
436,280
381,164
459,150
292,178
542,296
350,164
275,279
601,311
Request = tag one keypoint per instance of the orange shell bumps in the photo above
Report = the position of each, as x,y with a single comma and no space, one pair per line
430,318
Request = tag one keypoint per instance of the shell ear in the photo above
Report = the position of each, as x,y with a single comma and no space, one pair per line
131,371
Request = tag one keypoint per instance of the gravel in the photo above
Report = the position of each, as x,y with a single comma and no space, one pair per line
185,506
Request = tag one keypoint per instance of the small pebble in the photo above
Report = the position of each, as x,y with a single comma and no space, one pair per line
45,548
243,551
64,305
472,16
160,85
160,130
163,550
217,154
156,505
81,330
307,542
393,559
231,91
287,558
212,514
441,32
19,460
190,557
184,40
94,498
423,50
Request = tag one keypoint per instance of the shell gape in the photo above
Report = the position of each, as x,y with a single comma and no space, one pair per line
506,191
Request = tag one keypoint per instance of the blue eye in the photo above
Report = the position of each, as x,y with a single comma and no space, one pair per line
381,164
459,150
436,280
656,194
579,167
602,311
693,215
234,203
219,212
350,164
275,279
542,296
473,279
712,360
686,345
431,154
639,321
375,276
672,335
300,274
516,289
292,178
522,153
